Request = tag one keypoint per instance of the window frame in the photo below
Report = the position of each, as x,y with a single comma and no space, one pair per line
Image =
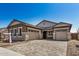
15,32
19,33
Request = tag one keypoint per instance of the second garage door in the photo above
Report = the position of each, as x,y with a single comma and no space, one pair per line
61,35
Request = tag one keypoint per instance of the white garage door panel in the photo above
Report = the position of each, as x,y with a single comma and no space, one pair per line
61,35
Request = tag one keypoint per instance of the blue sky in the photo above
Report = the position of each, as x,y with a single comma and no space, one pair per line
34,13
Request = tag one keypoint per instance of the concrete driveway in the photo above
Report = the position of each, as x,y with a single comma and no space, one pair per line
6,52
41,48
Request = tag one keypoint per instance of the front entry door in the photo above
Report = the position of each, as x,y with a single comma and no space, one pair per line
44,34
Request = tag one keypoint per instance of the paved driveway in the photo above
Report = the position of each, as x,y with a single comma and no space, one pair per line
6,52
41,48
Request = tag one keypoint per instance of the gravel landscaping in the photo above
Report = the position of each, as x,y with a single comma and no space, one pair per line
40,48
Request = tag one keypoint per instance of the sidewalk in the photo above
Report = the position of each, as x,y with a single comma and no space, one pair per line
6,52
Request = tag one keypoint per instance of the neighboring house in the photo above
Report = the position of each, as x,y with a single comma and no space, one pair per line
55,31
19,30
3,30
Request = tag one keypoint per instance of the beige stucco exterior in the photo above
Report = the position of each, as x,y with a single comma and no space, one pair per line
23,31
28,32
61,33
67,34
34,34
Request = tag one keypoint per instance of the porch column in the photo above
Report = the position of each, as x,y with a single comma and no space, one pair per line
10,39
54,36
26,36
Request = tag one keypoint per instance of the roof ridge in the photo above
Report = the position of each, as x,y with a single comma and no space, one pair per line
64,22
47,21
23,23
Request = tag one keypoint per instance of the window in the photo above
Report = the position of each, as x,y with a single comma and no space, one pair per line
20,32
38,31
15,31
29,30
50,33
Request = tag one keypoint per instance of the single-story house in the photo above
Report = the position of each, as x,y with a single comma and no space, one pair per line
55,31
18,30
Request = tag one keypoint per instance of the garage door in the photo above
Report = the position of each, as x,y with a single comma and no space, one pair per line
61,35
